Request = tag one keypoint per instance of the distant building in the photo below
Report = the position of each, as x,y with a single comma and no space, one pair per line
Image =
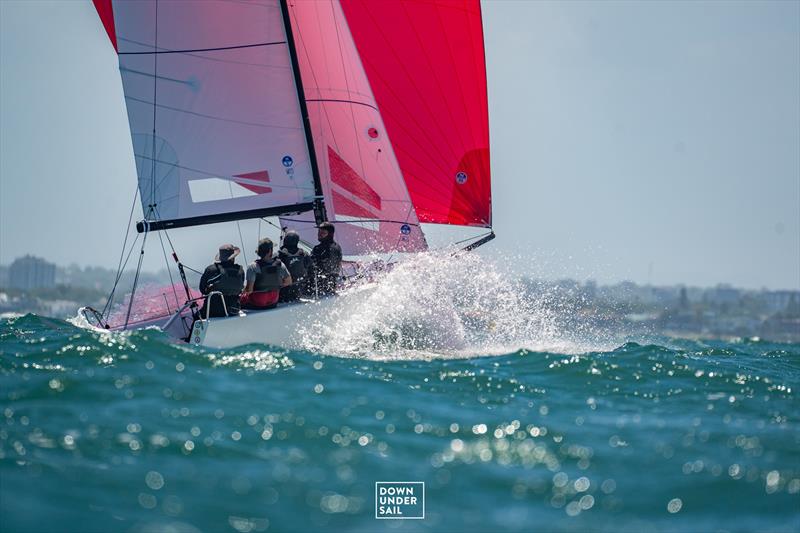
31,273
779,300
683,302
723,294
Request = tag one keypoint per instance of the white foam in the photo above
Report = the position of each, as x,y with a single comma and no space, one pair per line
435,305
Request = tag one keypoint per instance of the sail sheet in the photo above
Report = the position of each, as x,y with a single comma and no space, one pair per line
213,108
425,63
365,194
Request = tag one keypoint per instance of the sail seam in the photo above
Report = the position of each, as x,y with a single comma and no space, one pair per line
192,50
356,102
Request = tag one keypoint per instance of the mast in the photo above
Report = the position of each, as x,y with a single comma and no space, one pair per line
320,214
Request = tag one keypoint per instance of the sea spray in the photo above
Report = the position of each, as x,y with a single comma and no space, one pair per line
438,304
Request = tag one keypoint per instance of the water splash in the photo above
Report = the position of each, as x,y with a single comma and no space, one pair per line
434,305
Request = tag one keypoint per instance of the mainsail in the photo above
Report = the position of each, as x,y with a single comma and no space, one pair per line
426,67
214,110
365,194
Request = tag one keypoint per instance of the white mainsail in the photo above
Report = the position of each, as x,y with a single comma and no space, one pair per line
214,111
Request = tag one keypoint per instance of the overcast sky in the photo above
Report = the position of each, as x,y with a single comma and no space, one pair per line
650,141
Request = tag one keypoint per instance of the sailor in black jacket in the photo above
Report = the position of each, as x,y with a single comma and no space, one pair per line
297,261
224,276
326,260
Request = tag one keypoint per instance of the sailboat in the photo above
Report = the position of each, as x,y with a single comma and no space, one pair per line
369,114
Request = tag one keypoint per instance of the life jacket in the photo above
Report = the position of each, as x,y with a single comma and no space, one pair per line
226,278
269,276
266,287
229,279
296,263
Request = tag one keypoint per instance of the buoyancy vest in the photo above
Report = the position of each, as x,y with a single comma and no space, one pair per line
228,281
296,262
269,276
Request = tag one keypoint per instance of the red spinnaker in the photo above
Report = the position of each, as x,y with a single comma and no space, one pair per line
426,67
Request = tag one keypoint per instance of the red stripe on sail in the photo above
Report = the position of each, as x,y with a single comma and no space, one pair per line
346,207
106,13
261,175
344,176
426,67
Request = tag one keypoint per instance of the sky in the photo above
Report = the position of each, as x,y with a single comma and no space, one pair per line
657,142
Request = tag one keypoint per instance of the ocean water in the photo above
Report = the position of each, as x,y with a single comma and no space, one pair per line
569,431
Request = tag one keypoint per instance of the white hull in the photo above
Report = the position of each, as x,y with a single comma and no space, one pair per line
281,326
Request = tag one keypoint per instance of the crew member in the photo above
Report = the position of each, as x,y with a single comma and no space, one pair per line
326,260
265,277
298,263
226,277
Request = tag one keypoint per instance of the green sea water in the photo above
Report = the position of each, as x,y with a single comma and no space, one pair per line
131,432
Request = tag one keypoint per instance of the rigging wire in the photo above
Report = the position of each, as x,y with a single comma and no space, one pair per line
110,300
135,281
238,226
241,240
169,270
303,242
122,252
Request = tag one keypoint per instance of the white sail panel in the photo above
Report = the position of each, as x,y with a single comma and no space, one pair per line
365,194
213,108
